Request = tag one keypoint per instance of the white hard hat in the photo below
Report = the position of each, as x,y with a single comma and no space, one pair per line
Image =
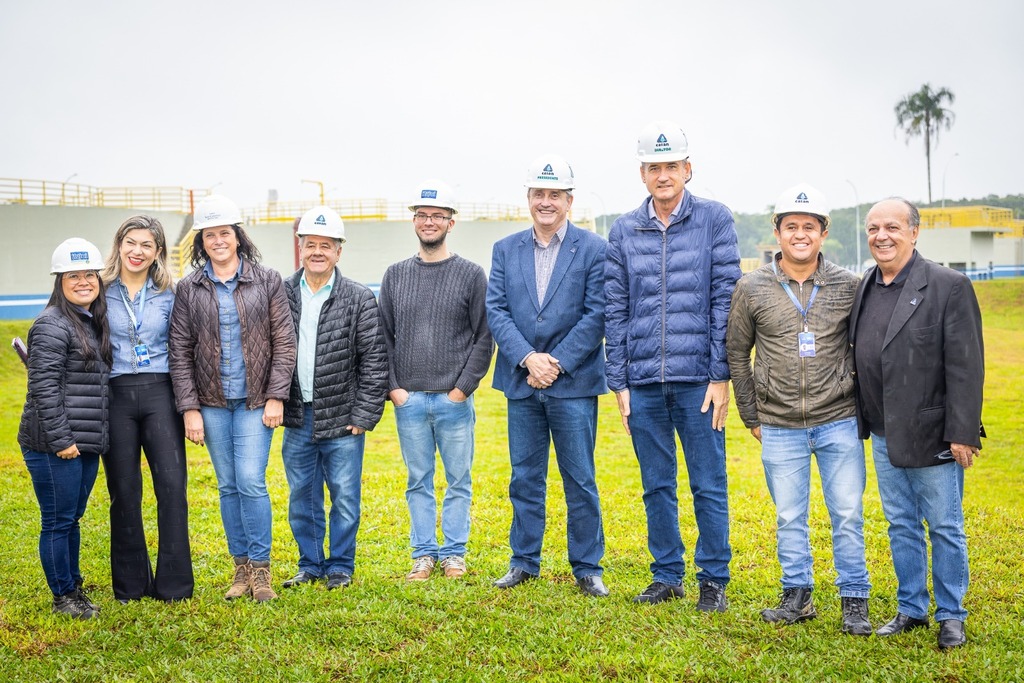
434,192
550,172
802,198
75,254
322,221
661,141
215,210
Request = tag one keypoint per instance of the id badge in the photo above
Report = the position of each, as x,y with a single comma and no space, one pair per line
142,355
805,342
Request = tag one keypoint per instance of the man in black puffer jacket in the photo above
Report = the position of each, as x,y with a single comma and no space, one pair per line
337,394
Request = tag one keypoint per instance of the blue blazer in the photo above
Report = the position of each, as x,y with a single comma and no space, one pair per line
568,324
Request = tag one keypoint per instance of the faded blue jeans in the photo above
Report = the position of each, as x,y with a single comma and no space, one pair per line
430,423
239,446
786,454
910,497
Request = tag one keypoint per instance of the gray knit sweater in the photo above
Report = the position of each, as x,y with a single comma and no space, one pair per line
435,324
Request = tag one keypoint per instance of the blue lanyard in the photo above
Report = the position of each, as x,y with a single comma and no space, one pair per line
137,322
792,297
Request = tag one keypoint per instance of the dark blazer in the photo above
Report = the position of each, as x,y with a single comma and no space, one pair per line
933,365
568,324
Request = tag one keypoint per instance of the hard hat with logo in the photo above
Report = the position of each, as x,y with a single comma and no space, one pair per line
75,254
551,172
802,198
215,210
322,221
661,141
434,192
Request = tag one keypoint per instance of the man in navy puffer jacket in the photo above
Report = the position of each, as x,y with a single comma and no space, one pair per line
671,268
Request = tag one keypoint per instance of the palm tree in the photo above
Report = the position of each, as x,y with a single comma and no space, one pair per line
923,113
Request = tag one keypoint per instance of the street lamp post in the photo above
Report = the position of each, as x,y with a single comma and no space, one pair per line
955,155
63,185
604,215
317,182
856,227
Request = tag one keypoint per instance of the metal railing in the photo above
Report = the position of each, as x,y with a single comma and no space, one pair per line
384,210
973,217
57,193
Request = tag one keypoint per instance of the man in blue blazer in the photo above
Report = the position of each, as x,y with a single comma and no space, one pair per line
545,308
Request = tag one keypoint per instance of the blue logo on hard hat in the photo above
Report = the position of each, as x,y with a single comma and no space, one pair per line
79,256
320,220
548,169
662,138
802,198
428,194
662,144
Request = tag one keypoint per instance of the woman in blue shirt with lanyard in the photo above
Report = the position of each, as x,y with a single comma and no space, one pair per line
143,418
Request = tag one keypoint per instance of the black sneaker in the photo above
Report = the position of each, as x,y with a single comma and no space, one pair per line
86,599
712,597
796,605
659,592
73,606
855,617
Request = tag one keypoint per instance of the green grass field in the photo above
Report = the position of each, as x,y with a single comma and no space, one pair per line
381,628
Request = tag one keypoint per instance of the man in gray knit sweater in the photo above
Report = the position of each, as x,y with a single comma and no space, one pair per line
439,348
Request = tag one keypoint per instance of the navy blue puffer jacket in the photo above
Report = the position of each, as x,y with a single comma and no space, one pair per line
667,295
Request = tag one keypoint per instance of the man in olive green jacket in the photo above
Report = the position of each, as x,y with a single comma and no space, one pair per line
798,399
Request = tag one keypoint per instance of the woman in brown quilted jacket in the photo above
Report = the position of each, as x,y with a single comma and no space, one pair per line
232,353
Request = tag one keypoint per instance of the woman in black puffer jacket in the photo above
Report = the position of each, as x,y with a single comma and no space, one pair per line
64,424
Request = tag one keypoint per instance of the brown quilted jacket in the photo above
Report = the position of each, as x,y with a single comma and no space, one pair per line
268,339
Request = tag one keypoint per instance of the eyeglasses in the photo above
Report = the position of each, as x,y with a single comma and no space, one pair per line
433,218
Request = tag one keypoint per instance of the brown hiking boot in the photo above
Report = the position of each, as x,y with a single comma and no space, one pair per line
259,579
240,584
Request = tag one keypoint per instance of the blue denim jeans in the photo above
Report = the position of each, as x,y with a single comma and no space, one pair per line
786,454
657,413
934,495
533,423
430,423
309,464
239,446
62,488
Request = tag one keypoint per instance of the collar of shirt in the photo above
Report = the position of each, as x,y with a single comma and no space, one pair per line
560,234
652,214
900,277
208,269
325,289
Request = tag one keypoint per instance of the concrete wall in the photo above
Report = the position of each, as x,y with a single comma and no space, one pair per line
30,234
970,248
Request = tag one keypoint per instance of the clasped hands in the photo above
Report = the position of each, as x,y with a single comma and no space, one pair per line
543,369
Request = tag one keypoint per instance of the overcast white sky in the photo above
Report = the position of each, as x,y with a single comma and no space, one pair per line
371,97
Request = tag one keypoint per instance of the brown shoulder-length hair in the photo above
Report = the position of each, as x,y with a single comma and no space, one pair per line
158,272
98,321
246,248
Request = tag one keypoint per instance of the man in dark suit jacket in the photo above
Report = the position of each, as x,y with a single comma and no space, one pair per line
916,332
545,308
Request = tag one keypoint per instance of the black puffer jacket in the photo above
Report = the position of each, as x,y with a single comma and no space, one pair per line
67,398
350,383
268,339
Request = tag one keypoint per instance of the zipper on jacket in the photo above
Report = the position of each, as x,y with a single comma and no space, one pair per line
803,368
664,295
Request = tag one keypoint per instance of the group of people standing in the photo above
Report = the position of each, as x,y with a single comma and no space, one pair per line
121,362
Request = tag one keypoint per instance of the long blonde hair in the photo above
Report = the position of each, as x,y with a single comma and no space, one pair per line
158,272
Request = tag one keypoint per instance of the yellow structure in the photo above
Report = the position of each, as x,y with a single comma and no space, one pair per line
974,217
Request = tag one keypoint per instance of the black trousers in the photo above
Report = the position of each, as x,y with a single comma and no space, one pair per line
143,418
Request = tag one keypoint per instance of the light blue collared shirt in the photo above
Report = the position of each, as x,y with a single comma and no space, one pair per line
309,322
232,361
153,318
651,213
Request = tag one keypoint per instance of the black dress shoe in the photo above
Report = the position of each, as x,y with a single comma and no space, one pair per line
514,577
900,624
592,585
301,578
338,580
659,592
951,634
